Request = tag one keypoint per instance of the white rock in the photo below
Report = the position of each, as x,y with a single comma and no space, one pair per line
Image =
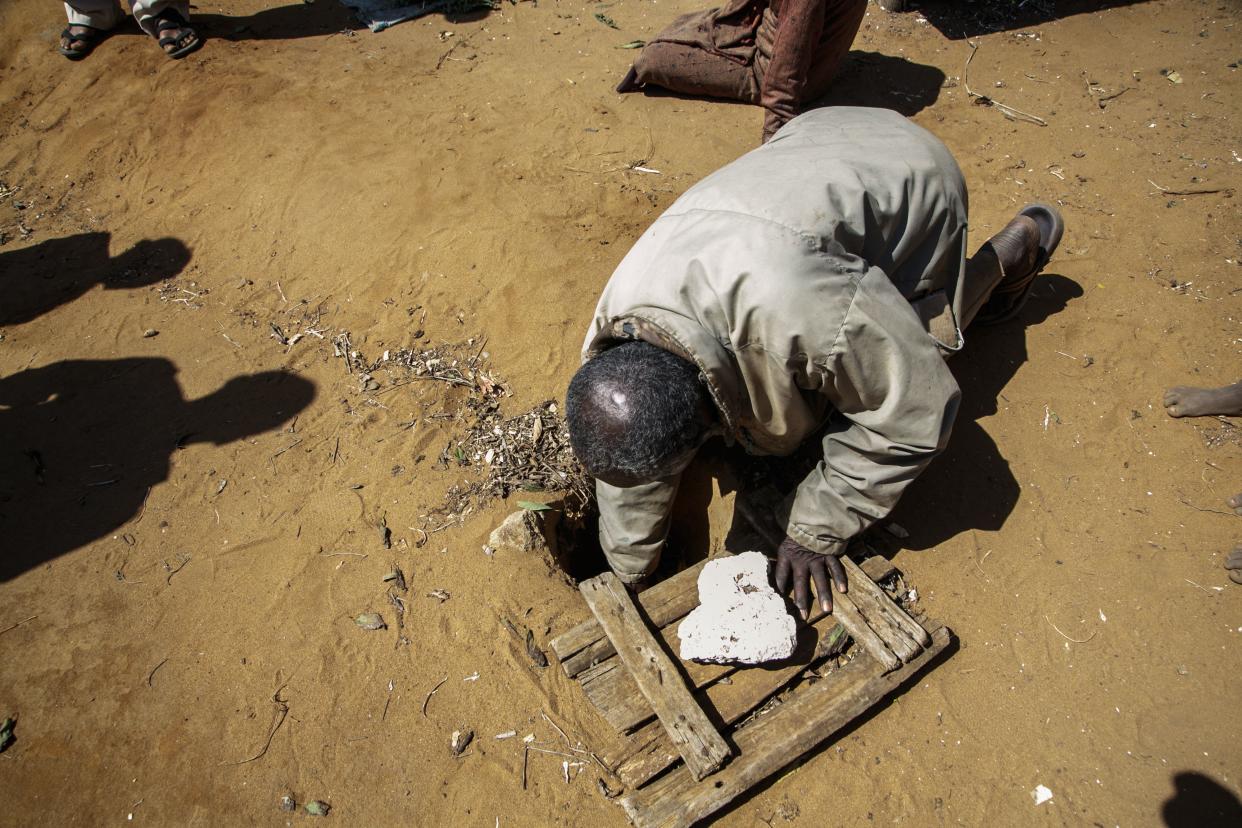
740,618
1041,794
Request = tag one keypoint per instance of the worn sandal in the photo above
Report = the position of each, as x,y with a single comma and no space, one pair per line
89,39
184,43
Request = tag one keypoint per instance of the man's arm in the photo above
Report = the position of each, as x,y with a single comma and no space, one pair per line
798,32
898,401
633,525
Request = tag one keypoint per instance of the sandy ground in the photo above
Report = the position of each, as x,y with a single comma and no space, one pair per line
176,515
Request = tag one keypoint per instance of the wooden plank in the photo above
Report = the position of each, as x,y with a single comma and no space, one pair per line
648,752
700,744
847,613
618,699
878,568
773,741
878,619
887,605
864,611
585,645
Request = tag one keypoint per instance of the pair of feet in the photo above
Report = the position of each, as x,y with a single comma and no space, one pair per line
173,33
1185,401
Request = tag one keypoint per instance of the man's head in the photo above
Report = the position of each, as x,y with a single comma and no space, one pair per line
637,413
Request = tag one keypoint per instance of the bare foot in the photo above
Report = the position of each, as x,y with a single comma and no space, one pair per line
1185,401
1234,564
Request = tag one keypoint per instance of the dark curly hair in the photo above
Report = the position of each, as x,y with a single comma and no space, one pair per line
634,409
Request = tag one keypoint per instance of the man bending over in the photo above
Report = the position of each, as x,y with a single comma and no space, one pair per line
812,288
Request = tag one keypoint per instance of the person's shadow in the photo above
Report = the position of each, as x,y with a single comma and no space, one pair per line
82,443
957,20
36,279
883,81
1199,802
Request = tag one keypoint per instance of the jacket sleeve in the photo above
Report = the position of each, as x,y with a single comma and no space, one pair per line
896,401
799,28
633,524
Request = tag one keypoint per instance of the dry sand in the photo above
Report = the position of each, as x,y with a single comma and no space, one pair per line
300,172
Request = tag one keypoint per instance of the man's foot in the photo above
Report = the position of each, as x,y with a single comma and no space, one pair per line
78,40
1234,564
630,82
1185,401
1023,248
174,34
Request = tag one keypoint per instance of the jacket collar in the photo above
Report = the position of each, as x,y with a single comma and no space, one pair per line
687,339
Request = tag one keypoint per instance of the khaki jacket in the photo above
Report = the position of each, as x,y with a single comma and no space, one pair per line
788,277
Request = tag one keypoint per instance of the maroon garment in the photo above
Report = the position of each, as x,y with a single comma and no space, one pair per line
777,54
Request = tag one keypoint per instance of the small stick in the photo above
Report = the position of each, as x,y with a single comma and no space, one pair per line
1203,191
283,707
1186,502
286,448
143,510
18,624
172,572
525,760
553,752
1066,637
432,693
151,675
547,719
1005,109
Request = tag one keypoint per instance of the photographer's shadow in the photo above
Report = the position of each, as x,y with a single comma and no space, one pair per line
82,443
44,276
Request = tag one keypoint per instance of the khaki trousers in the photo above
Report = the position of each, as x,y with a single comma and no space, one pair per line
105,14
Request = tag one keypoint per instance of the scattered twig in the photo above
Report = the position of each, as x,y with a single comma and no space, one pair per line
282,712
555,726
151,675
1186,502
1199,191
18,624
143,510
185,559
432,693
1199,586
286,448
1013,113
1066,637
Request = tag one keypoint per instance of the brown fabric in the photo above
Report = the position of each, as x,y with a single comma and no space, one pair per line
694,71
790,51
801,44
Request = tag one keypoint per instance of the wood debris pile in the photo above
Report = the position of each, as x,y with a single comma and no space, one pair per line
526,453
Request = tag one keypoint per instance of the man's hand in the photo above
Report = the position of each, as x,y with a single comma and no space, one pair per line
803,565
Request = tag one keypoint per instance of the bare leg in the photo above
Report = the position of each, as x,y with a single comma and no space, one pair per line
1185,401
